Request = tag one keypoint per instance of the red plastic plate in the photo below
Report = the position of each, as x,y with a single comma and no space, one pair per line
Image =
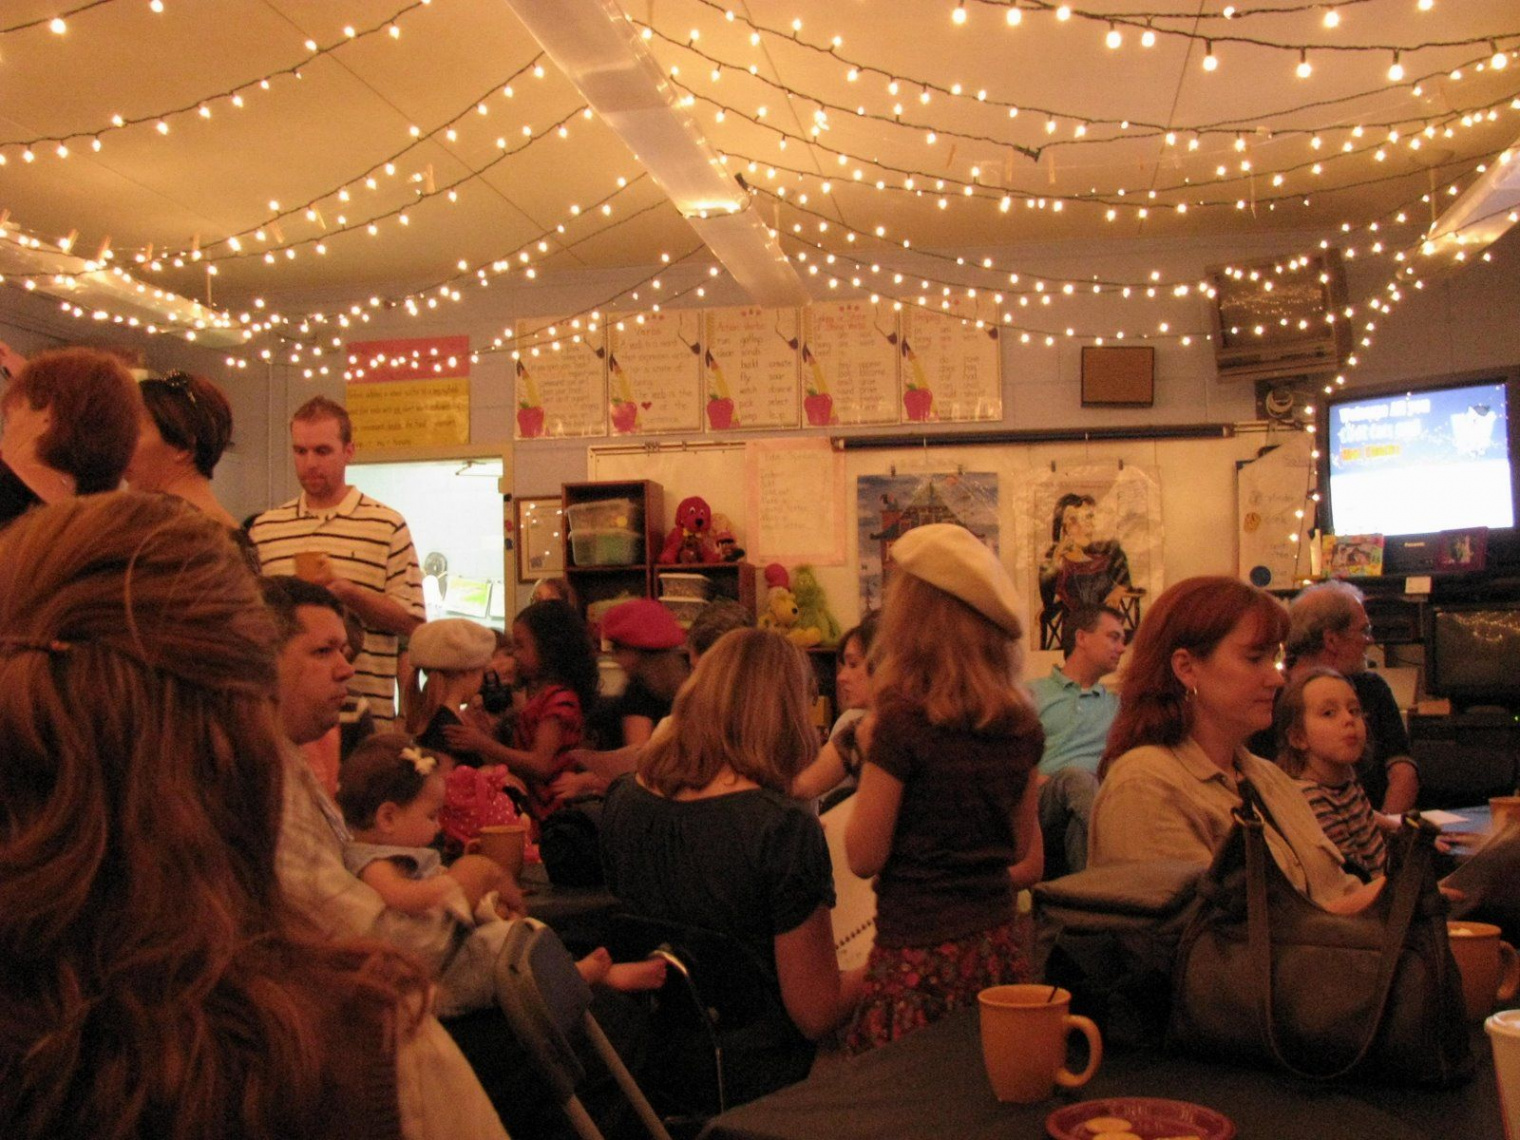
1150,1118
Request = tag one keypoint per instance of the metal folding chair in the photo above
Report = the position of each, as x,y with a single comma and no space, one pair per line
546,1001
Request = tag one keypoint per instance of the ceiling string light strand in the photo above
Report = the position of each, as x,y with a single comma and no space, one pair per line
442,188
1121,198
1142,21
1229,13
1004,324
54,20
1135,20
421,137
1113,198
201,105
1125,129
480,271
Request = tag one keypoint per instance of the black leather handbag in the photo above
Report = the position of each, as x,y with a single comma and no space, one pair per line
1264,974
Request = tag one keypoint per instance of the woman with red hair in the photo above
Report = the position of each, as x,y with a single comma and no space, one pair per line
1202,678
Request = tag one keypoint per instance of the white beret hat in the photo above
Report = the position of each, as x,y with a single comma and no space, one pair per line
955,560
452,643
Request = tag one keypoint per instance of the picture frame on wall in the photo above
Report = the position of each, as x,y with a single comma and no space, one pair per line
540,545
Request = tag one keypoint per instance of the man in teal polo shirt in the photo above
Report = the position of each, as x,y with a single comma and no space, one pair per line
1076,711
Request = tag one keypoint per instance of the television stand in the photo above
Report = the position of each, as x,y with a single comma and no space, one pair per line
1466,757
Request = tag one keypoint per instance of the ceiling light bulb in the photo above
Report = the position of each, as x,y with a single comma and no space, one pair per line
1332,18
1015,16
1305,69
958,16
1063,13
1148,38
1209,62
1113,39
1500,60
1396,69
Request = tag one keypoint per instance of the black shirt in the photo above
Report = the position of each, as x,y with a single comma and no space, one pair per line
16,498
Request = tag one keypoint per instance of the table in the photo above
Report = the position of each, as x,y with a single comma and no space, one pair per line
581,916
932,1085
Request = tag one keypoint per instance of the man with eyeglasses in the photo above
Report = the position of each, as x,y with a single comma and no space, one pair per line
1329,627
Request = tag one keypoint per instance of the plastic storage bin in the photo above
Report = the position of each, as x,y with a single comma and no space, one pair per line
685,586
606,547
605,514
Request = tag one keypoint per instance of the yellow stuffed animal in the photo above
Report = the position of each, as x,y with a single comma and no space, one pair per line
781,615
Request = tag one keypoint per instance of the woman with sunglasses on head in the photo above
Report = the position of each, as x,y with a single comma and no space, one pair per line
186,425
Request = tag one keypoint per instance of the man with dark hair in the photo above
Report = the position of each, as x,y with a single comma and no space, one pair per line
71,424
340,538
1076,711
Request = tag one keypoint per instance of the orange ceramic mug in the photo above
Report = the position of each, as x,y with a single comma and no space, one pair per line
1024,1032
502,844
1489,966
1504,810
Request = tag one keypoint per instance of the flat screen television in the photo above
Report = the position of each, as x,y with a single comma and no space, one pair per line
1471,654
1410,462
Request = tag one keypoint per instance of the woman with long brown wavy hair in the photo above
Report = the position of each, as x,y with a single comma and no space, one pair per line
156,982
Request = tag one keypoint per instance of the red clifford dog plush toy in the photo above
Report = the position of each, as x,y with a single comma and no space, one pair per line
690,540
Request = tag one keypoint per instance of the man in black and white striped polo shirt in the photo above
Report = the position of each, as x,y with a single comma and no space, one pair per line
360,549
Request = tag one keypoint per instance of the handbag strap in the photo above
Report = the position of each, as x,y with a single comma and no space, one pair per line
1406,895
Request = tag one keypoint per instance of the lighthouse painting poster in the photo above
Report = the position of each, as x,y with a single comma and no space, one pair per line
888,506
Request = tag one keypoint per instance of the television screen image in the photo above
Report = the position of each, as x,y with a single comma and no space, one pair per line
1472,654
1421,461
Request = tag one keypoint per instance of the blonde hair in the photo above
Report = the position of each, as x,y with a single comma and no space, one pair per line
747,708
936,654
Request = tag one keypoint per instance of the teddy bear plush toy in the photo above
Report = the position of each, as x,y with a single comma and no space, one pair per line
781,615
690,540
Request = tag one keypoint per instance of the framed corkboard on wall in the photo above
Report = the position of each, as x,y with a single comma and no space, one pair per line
1118,377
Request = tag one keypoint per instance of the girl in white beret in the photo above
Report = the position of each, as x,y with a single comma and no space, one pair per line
945,816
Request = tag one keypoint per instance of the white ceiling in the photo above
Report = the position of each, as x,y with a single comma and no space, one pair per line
254,171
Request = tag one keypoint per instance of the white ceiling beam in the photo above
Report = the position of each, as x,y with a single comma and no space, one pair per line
601,53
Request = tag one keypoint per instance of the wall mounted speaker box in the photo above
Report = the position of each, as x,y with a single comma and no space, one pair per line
1280,318
1118,377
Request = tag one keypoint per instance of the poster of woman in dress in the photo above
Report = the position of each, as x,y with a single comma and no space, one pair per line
1097,534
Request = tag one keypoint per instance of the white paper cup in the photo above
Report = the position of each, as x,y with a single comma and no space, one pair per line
1504,1035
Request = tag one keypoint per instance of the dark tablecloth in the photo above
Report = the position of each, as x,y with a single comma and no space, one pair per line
932,1085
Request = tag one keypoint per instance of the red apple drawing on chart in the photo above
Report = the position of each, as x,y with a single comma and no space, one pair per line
530,422
625,416
918,401
820,409
720,414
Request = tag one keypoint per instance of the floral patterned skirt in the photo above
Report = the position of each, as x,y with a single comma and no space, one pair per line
909,987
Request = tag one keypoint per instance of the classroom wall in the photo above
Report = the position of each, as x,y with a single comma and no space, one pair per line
1459,322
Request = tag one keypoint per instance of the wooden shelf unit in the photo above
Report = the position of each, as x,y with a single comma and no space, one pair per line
598,583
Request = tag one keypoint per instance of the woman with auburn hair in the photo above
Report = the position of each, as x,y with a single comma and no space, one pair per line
706,835
157,982
1202,678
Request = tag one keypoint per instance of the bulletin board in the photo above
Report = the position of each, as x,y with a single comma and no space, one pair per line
560,389
654,372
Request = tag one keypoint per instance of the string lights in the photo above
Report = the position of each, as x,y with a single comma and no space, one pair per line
202,106
864,140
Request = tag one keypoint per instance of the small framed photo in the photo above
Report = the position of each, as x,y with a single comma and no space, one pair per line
540,545
1463,549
